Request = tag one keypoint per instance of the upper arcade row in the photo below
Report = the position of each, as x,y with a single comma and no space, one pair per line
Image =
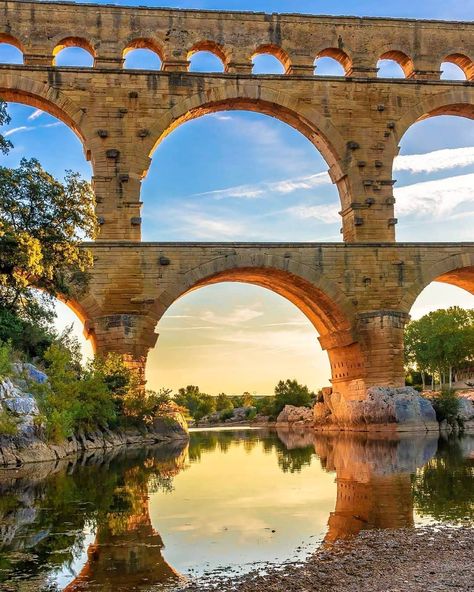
40,30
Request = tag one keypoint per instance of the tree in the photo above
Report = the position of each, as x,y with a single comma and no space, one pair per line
290,392
42,223
440,342
223,403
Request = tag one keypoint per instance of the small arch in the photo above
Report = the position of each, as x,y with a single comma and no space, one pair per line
395,64
143,54
74,51
457,66
270,59
211,57
11,50
332,62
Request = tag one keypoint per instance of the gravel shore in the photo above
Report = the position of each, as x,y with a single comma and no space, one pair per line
406,560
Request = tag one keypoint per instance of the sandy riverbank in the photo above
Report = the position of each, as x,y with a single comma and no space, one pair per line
437,559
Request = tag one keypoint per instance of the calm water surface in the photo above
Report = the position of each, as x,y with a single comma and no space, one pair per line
147,519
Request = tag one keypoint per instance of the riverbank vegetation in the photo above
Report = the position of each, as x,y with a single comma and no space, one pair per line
438,345
200,405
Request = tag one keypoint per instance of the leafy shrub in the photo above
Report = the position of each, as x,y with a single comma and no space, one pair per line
8,423
227,414
446,406
290,392
5,359
251,413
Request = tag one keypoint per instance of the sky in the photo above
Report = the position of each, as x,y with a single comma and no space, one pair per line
248,177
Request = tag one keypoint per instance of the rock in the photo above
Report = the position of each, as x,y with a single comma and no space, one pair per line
30,372
401,409
25,405
295,415
466,409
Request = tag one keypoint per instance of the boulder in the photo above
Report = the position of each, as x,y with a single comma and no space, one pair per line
400,409
292,415
30,372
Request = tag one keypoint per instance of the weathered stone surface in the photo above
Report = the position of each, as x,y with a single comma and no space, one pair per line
401,409
294,416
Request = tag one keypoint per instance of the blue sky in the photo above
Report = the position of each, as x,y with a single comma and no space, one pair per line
244,176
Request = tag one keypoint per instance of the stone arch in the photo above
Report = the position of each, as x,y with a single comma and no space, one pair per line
253,97
212,47
318,298
81,42
144,43
457,101
16,41
401,58
322,301
276,51
457,270
20,89
336,54
463,61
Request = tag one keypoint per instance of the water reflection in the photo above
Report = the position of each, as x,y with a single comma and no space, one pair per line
102,523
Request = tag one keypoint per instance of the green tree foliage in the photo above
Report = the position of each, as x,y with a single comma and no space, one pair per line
198,404
440,342
290,392
42,223
446,406
224,403
71,402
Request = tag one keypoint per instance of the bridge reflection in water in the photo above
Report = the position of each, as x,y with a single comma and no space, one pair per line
374,490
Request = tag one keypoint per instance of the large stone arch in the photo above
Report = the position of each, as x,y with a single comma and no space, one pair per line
21,89
457,100
318,298
255,96
457,270
322,301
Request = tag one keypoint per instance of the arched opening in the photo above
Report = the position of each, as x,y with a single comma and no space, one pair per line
254,178
74,52
235,338
434,173
270,59
394,64
11,50
332,62
207,56
324,314
142,54
457,66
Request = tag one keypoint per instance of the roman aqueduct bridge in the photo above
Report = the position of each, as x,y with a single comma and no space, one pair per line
357,293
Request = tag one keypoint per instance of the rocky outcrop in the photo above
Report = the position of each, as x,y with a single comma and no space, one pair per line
383,409
295,417
28,445
15,451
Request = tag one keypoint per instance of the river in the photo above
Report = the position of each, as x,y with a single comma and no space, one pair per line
228,502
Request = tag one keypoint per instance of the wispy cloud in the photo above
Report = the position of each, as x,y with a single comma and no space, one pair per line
238,316
256,190
31,128
16,130
437,160
327,213
37,113
436,199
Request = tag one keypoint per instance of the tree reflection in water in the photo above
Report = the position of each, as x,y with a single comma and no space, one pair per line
46,509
